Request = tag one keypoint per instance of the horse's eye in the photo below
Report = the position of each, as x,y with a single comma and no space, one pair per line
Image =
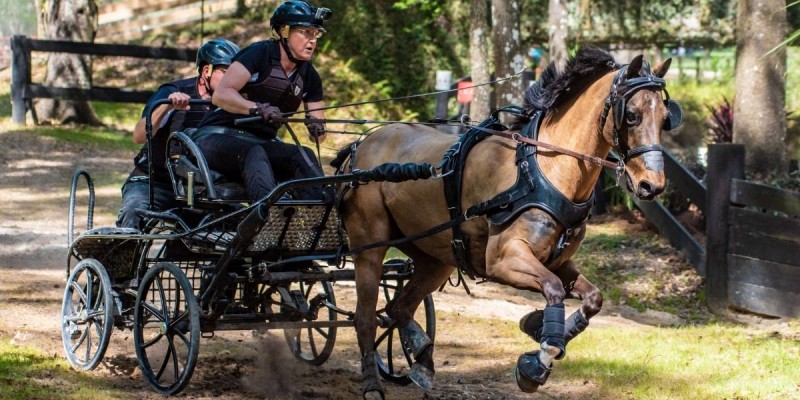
632,118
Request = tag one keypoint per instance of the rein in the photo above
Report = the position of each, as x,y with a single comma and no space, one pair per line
515,136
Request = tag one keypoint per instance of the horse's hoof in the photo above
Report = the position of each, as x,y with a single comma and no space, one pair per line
421,376
531,324
373,395
530,373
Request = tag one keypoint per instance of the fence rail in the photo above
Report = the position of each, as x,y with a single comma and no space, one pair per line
752,235
23,91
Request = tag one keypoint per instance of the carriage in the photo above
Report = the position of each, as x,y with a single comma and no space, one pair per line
514,212
215,264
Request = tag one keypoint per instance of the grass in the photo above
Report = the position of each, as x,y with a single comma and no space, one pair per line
27,373
695,362
711,361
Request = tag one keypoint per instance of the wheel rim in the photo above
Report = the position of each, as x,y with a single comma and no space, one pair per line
87,314
166,328
313,345
395,361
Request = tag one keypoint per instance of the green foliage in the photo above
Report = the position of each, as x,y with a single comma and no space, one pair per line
90,136
399,44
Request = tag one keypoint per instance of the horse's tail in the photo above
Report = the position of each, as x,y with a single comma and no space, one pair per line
342,155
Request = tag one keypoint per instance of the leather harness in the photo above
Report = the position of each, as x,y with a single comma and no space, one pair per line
531,190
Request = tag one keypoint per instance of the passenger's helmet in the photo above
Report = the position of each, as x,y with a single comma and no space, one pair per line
299,13
216,52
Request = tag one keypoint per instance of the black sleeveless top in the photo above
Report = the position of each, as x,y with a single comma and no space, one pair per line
269,84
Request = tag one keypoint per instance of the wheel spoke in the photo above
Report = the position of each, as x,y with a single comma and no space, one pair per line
321,331
382,337
96,313
88,343
157,313
166,360
183,338
98,297
174,360
76,288
162,299
152,341
80,341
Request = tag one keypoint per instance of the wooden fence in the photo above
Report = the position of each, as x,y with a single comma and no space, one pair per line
750,261
23,91
132,19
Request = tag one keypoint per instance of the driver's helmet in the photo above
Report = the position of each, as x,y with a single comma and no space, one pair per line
216,52
299,13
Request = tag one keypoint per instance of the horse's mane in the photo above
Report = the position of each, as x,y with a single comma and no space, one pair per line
554,89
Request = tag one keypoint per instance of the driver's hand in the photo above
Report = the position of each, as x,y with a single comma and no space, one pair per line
268,113
316,131
180,101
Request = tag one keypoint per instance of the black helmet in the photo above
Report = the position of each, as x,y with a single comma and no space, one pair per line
216,52
297,12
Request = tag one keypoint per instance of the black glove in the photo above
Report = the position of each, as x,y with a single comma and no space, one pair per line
268,113
315,129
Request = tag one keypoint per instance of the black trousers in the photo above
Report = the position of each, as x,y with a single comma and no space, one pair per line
260,164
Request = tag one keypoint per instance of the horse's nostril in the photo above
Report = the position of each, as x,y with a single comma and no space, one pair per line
645,189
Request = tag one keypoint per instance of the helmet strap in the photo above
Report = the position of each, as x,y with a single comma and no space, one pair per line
206,79
284,41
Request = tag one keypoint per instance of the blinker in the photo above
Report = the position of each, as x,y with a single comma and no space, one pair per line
674,115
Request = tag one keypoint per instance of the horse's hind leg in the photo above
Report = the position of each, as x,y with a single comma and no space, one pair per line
429,274
369,268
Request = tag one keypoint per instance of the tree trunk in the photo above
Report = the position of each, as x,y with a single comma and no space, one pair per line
508,56
759,106
558,28
479,59
74,20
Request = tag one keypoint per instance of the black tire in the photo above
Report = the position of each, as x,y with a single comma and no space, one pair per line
313,345
166,310
395,362
87,314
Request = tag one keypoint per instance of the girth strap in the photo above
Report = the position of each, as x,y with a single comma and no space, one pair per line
452,168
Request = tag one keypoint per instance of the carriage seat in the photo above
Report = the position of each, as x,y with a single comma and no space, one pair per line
185,158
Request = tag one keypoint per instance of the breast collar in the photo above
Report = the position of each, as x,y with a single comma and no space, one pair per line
531,190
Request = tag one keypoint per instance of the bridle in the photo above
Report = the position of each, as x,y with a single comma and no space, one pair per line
616,102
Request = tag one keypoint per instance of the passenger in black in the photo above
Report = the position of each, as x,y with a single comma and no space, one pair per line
269,78
213,59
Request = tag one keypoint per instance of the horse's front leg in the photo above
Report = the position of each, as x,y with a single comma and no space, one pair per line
369,268
518,267
579,287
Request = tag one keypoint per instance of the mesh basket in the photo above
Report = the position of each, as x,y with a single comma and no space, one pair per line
117,249
300,228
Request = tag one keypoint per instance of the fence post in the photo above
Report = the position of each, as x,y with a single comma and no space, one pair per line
20,77
725,162
443,82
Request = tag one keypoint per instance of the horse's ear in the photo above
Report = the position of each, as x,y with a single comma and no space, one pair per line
634,67
661,69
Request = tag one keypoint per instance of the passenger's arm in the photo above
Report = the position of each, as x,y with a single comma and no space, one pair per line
180,101
227,96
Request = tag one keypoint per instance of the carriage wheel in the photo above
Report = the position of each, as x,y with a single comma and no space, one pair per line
313,345
166,330
395,361
87,314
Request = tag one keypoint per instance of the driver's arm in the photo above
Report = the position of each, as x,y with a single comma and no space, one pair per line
227,96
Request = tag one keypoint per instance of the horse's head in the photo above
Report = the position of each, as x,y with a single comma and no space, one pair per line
640,109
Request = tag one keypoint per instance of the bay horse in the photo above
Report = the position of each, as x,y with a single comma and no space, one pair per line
524,241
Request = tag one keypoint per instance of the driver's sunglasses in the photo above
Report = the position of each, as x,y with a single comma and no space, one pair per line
309,33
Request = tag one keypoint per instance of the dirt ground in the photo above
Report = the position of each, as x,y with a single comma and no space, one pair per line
34,189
